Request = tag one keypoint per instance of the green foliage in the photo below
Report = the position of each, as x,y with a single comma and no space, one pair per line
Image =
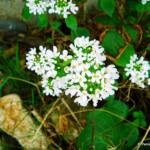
71,22
125,135
25,13
132,32
9,67
148,48
112,42
139,7
55,25
42,20
108,6
139,118
106,128
106,20
124,58
81,31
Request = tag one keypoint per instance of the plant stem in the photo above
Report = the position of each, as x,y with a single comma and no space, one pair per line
143,139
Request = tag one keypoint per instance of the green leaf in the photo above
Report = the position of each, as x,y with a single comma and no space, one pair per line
42,20
106,20
143,8
99,125
106,128
25,13
89,140
71,22
108,6
125,56
132,32
117,107
132,19
111,97
81,31
125,135
148,48
55,25
139,118
137,6
112,42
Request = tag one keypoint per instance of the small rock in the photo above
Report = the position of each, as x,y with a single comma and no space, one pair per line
16,121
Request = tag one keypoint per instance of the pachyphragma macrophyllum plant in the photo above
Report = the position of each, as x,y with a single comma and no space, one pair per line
83,73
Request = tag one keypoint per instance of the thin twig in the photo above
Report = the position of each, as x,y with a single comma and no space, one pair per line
45,118
144,137
110,58
31,83
71,112
129,91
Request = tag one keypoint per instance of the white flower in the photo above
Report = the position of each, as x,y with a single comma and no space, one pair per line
137,70
47,86
35,62
90,50
85,69
72,91
64,56
75,66
36,6
30,57
107,79
82,99
55,86
58,85
51,72
55,52
95,97
62,7
78,67
81,79
112,72
96,77
41,62
144,1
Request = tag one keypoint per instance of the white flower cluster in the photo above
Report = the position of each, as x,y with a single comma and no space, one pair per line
60,7
144,1
138,70
37,6
49,64
82,74
89,78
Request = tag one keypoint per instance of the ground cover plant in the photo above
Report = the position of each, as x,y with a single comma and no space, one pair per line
82,70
